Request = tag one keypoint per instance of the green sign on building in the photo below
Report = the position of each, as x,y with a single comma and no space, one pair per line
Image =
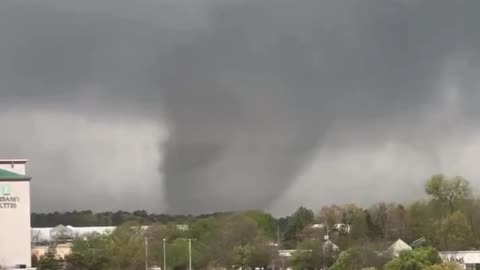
6,190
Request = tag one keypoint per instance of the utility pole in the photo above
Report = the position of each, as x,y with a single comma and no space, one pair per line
278,234
189,254
278,244
146,253
164,254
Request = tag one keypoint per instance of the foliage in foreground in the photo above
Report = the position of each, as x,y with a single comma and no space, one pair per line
49,261
447,221
360,258
417,259
445,266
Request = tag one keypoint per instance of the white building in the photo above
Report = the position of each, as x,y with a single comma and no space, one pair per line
63,236
329,246
42,236
15,239
290,252
47,235
469,260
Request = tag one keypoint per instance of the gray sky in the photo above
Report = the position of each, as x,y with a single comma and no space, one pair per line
207,105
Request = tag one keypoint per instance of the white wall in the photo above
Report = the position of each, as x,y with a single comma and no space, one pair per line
15,237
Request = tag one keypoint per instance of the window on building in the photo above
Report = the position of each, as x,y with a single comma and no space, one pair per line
471,266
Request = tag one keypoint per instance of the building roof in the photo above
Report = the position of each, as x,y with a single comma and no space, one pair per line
48,234
318,226
330,245
15,161
290,252
398,247
8,175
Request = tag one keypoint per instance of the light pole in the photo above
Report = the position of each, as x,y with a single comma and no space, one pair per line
190,254
278,234
146,253
164,254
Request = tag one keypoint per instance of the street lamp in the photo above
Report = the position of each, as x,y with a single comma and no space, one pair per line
146,253
164,254
190,254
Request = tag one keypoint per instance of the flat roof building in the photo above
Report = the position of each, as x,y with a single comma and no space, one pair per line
15,236
467,259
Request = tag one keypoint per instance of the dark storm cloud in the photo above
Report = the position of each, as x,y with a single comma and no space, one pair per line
374,64
249,90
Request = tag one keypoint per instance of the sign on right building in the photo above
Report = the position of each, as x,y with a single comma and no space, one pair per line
469,260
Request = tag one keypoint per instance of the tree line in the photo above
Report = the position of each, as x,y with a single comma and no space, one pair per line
448,220
88,218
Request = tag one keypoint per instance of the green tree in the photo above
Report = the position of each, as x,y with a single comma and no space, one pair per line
262,253
204,229
300,219
91,253
177,254
397,222
448,191
456,232
302,259
254,254
358,222
444,266
241,255
472,214
202,254
420,222
202,233
359,258
308,255
416,259
265,222
353,227
237,230
127,247
154,236
378,218
313,254
330,215
49,261
34,261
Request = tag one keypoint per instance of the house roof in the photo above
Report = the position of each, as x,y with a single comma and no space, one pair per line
47,234
11,176
398,247
330,244
14,161
40,235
